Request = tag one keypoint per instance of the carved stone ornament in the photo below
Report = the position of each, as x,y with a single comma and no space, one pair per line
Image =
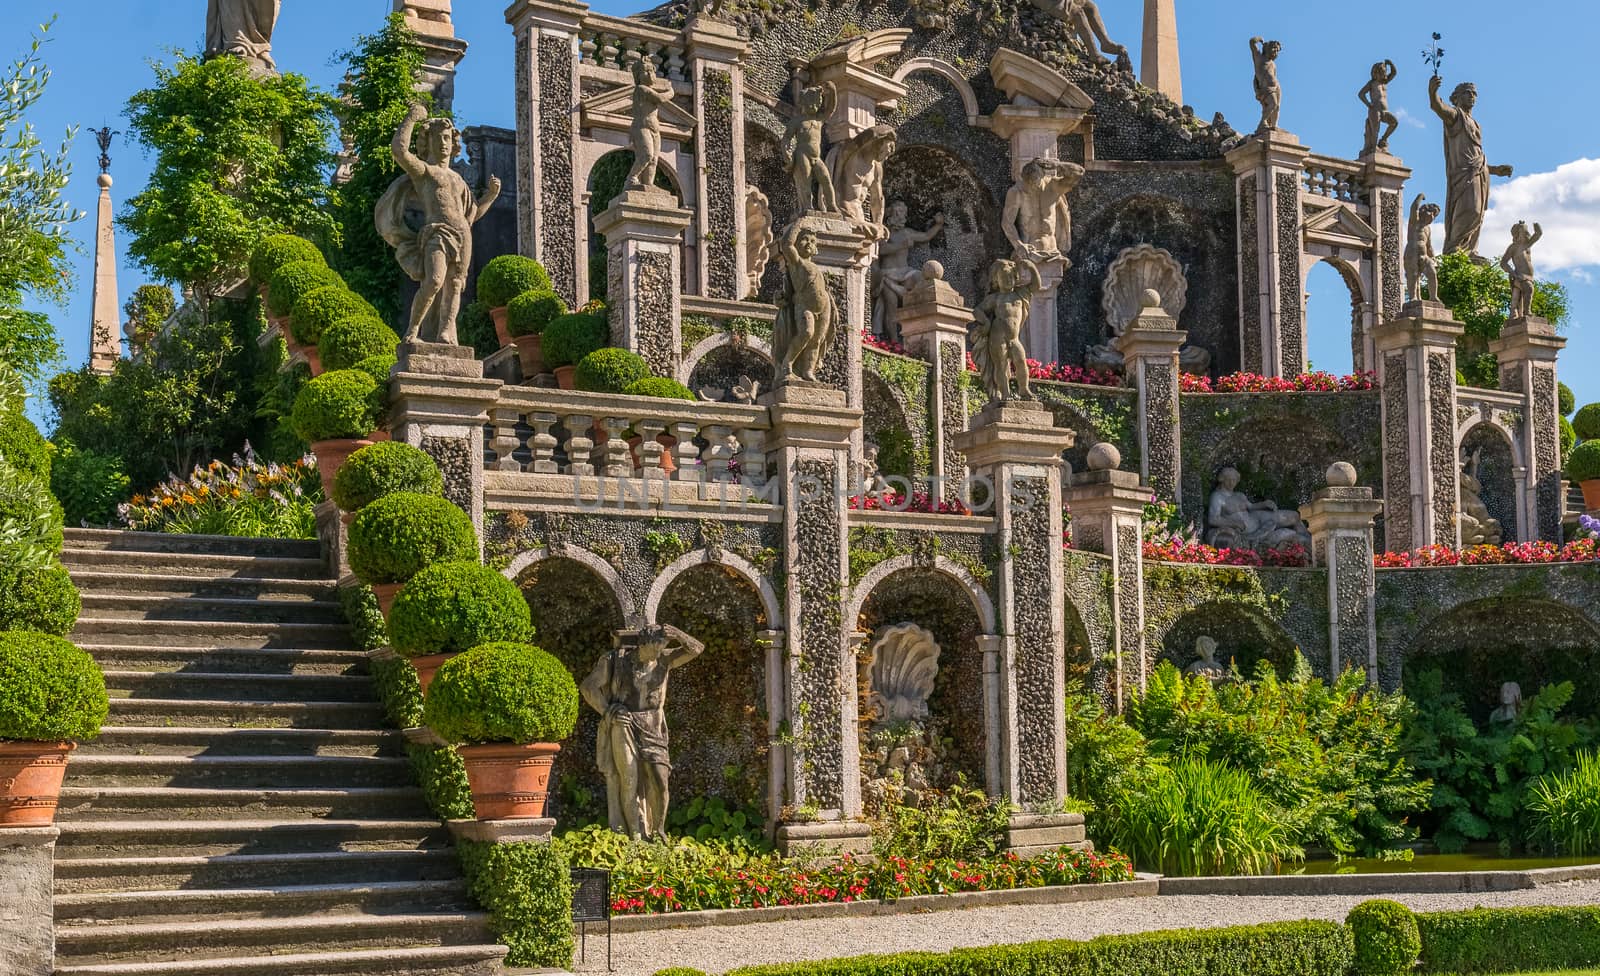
758,238
905,661
1138,269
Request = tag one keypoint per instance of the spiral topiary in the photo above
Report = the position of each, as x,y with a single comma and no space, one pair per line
1387,940
349,341
660,386
610,371
335,406
502,693
530,312
296,279
50,689
23,447
451,607
1584,464
384,469
318,310
508,276
278,250
41,598
573,336
1587,422
399,535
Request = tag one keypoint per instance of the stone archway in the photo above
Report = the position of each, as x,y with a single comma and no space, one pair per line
1244,633
1487,451
1358,302
931,181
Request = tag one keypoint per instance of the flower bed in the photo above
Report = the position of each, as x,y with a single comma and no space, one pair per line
244,498
1179,551
920,503
1318,382
1053,372
1509,554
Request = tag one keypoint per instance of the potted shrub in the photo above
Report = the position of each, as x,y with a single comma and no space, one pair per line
276,252
1584,468
526,318
317,310
451,607
609,370
569,339
42,599
292,282
350,340
507,706
503,279
397,536
384,469
334,413
52,696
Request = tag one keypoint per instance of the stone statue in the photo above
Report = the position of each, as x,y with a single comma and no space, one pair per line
1037,220
628,687
1268,92
1510,703
1518,263
1083,22
997,325
1375,96
1466,167
644,137
803,330
242,28
1478,527
1207,665
1236,522
1422,265
802,144
895,275
758,238
873,484
1136,270
858,175
905,662
438,255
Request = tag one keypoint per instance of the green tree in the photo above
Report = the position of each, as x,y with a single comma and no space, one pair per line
146,311
1480,297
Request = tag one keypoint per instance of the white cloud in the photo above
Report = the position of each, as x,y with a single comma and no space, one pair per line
1407,119
1566,203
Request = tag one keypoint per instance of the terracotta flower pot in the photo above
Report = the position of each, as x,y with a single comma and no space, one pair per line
313,359
509,782
529,355
386,592
565,376
1591,495
667,442
30,781
427,667
331,455
500,330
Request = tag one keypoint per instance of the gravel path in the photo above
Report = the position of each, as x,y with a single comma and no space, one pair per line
717,950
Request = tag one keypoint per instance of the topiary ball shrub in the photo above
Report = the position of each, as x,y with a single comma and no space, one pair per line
30,520
41,599
508,276
1587,422
399,535
318,310
294,281
278,250
50,689
1584,464
532,311
23,447
452,607
1387,940
660,386
475,328
384,469
502,693
610,371
349,341
379,367
573,336
1566,400
335,406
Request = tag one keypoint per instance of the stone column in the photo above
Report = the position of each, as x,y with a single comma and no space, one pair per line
1107,508
1421,473
1340,517
1268,170
430,19
1385,178
27,915
439,402
715,53
933,324
1527,351
105,339
551,220
1149,347
644,237
1018,449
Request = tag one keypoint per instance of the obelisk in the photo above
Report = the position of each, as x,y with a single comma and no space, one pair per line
105,333
1159,67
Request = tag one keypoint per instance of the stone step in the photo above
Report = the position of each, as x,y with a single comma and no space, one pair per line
157,607
381,897
228,660
204,686
195,566
168,542
474,960
211,633
265,589
148,741
225,714
239,772
130,855
83,945
170,803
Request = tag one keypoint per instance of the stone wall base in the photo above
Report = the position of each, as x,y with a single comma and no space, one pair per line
27,915
1032,834
831,836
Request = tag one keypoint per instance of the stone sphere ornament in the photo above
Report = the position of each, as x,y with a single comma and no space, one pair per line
1104,456
1342,474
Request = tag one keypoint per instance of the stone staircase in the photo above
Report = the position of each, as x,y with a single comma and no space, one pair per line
244,813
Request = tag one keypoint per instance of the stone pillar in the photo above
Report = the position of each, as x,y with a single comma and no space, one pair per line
105,339
1159,67
1421,473
551,218
1385,178
1340,517
933,324
1527,351
27,914
439,402
1107,508
1018,449
1268,170
715,53
430,19
1149,347
644,237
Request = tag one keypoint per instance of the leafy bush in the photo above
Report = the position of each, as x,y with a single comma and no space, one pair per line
399,689
1387,941
23,447
1510,940
380,368
502,692
1587,422
442,776
395,537
527,890
508,276
383,469
145,311
89,485
452,607
351,340
247,498
1584,464
610,370
294,281
361,611
531,311
1566,400
573,336
958,824
50,689
278,250
30,520
40,599
342,404
475,328
660,386
1564,808
318,310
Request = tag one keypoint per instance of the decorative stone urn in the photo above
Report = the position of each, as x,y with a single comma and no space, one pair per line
509,781
30,781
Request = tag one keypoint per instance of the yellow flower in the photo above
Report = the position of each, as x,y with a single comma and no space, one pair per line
188,499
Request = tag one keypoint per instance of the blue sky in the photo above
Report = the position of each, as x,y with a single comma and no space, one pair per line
1533,63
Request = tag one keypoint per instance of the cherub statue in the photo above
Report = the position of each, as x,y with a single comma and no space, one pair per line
802,144
997,325
644,138
1036,219
1422,265
896,276
1478,527
873,484
438,255
858,174
1375,96
1518,263
1268,92
803,330
758,238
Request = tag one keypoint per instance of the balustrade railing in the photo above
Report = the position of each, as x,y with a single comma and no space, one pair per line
613,42
1338,179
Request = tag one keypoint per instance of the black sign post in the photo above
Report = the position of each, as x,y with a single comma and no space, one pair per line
591,902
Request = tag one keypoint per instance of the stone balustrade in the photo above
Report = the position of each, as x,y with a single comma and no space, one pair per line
611,42
1338,179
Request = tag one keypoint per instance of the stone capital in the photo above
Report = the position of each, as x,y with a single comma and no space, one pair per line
936,313
1105,494
1336,510
429,399
1009,120
810,415
643,215
840,245
556,15
1143,342
1531,339
708,39
1381,171
1419,324
1014,432
1275,149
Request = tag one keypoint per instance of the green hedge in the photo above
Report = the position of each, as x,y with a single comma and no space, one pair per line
1510,940
610,370
452,607
50,689
530,312
527,890
23,447
361,611
349,341
508,276
397,536
319,310
573,336
278,250
502,693
384,469
1584,464
295,280
443,777
1387,940
343,404
30,520
39,598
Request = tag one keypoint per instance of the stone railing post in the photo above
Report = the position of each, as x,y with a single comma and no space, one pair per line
1341,517
1150,347
1272,330
933,324
1384,178
439,402
1527,351
1107,508
644,240
716,53
1421,474
27,915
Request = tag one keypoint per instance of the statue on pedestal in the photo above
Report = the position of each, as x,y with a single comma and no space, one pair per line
895,275
858,174
644,138
1466,167
802,144
439,255
242,28
1268,92
1518,263
1422,265
803,330
997,325
1236,522
1478,527
1036,219
1375,96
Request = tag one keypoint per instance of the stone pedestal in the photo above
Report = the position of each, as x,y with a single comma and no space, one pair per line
439,402
644,237
430,19
1268,169
1017,448
27,914
1527,351
715,53
1108,517
1149,348
1421,472
1340,517
1042,337
933,325
535,830
333,534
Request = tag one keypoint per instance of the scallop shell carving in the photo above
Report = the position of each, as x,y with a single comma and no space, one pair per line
1136,269
905,661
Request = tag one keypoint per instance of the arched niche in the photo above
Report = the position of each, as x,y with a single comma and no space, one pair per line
1245,634
901,447
930,180
1487,449
720,360
605,181
1336,316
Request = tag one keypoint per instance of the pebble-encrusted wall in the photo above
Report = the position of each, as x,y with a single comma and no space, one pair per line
1087,621
722,267
1095,414
1036,662
1252,614
895,400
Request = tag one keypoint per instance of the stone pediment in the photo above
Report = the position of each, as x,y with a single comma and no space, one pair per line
865,50
614,110
1029,81
1340,224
